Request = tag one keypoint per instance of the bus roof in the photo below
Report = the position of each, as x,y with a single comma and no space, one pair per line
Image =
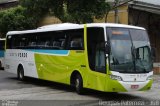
113,25
68,26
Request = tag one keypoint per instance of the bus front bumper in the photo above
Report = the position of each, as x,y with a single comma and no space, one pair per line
121,86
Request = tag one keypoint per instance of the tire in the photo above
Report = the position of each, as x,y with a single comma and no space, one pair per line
20,73
1,68
0,64
79,84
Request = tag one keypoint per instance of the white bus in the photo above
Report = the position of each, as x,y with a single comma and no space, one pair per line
100,56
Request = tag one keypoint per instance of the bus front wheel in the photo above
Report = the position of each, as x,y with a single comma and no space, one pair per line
79,84
20,73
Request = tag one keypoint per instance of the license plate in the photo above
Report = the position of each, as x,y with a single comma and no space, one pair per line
134,86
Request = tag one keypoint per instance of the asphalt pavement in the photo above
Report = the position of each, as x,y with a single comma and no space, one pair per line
34,89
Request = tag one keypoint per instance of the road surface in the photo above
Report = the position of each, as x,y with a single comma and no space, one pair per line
49,92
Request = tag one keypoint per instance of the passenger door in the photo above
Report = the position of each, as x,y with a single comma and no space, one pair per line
96,59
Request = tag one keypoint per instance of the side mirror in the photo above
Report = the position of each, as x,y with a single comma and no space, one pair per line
107,48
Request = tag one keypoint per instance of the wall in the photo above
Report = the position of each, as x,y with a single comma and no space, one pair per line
7,5
49,20
122,13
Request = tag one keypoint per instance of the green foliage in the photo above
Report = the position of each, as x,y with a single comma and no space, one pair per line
77,11
30,13
35,8
14,19
85,10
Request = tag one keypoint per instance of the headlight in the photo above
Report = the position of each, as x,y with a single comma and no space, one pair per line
150,77
114,77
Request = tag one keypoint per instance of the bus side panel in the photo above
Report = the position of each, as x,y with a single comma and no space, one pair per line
95,80
15,57
113,85
11,62
59,64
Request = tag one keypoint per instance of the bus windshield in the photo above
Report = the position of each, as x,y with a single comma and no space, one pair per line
130,51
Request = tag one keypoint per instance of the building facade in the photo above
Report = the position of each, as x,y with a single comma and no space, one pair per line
4,4
122,12
146,13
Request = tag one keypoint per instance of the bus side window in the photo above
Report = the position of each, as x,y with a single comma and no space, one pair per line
2,43
76,44
9,38
47,44
75,40
63,44
57,40
56,44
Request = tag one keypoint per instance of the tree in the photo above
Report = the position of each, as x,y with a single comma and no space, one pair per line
76,11
30,13
36,9
86,10
14,19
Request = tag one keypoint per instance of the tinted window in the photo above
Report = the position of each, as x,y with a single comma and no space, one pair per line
96,47
9,42
51,40
2,44
139,35
75,39
56,40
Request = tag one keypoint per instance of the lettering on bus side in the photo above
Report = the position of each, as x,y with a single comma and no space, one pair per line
18,54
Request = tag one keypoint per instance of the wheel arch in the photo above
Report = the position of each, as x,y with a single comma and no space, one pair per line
73,77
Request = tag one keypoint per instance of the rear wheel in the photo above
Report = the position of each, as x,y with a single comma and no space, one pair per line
20,73
79,84
1,66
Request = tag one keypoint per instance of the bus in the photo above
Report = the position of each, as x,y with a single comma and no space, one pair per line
100,56
2,46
